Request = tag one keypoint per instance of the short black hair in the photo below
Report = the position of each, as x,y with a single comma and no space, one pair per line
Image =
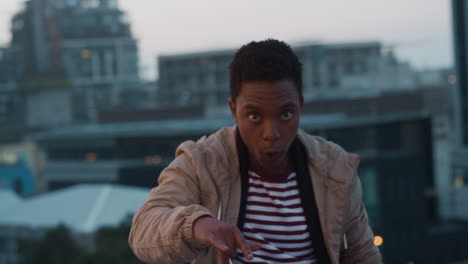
268,60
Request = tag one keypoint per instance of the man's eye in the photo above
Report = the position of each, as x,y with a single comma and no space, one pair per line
286,115
254,117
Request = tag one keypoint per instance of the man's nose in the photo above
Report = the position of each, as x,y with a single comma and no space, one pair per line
271,131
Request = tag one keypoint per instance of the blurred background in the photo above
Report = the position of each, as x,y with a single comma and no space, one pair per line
95,96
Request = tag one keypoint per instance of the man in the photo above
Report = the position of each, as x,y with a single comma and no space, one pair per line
262,191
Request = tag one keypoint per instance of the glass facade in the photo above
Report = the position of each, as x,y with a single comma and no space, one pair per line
460,30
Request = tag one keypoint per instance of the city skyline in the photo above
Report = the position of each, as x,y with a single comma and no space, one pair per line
170,28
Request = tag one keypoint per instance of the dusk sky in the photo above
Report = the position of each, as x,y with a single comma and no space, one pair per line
419,30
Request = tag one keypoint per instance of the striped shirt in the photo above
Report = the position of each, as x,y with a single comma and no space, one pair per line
275,218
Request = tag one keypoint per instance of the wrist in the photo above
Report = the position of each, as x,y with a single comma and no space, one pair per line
198,223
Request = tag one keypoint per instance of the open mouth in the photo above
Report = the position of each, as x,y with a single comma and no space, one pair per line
273,155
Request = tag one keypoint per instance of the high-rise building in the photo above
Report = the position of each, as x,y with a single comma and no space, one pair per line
100,56
460,33
203,78
9,99
459,177
7,66
82,51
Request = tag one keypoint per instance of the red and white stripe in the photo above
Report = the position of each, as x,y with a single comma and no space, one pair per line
275,219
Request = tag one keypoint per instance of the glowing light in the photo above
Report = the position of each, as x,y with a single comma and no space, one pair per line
378,241
156,159
459,182
153,159
85,54
91,157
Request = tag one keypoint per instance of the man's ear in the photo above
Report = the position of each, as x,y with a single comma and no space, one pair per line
301,102
232,107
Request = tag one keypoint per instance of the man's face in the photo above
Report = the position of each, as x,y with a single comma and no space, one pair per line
267,115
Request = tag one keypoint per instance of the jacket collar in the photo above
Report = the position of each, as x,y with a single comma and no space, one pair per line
327,159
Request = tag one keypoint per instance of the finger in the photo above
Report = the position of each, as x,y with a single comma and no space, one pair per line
220,245
221,258
254,246
230,238
243,245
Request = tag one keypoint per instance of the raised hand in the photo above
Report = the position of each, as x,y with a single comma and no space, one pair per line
226,238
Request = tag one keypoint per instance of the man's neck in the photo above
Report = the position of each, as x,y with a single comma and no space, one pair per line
274,173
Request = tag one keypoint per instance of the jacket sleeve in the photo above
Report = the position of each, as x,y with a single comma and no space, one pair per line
359,236
161,230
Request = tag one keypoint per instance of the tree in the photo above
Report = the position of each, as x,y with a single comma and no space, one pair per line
58,246
112,246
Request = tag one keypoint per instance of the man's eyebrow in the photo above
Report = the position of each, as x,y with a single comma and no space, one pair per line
288,105
250,107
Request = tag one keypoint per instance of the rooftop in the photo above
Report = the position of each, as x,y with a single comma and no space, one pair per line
83,208
297,45
204,126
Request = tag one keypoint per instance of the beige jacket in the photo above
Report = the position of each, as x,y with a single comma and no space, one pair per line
204,179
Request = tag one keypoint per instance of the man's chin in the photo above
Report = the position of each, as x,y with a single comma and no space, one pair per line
271,167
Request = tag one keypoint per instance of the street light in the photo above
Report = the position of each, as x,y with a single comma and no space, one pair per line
378,241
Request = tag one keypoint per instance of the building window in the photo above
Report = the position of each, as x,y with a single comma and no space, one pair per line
90,4
349,68
460,178
18,186
370,195
389,137
368,178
